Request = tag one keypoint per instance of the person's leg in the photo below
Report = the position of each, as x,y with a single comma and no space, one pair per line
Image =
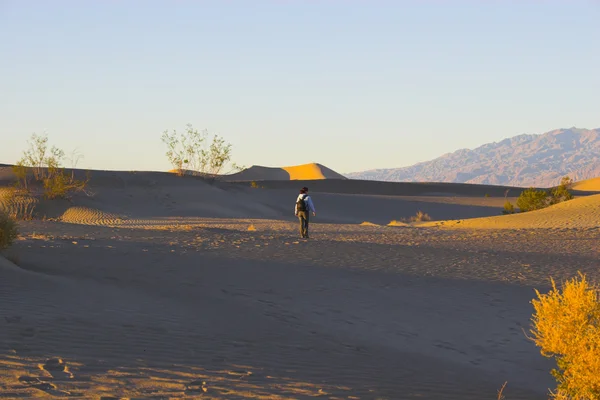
307,220
301,216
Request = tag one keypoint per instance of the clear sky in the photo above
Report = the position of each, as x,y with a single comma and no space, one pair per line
353,85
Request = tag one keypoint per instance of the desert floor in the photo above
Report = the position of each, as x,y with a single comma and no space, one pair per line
204,307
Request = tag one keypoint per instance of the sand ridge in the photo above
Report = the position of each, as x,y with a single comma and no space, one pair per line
580,213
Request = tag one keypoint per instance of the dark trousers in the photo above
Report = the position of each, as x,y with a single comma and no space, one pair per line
303,218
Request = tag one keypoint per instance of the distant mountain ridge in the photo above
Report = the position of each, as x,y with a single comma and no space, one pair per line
524,160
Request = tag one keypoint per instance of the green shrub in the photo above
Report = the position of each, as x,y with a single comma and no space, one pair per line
58,184
45,165
194,151
8,230
532,199
566,326
508,208
562,192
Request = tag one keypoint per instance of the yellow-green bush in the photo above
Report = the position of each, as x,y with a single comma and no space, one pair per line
508,208
8,230
58,184
566,326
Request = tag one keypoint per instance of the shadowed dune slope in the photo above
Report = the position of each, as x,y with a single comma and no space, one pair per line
580,213
119,197
351,186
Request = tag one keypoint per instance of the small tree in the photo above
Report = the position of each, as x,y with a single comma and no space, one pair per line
566,326
190,151
532,199
563,191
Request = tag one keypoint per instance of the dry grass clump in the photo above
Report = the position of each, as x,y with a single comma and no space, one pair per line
566,326
419,217
17,203
8,230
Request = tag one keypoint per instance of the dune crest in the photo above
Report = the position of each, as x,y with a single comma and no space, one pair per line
306,172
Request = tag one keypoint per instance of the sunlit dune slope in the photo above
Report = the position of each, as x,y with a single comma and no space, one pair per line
589,185
581,213
311,172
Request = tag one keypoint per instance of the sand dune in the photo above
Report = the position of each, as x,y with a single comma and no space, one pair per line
130,197
312,171
589,185
158,286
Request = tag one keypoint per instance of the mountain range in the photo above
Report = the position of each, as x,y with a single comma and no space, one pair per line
524,160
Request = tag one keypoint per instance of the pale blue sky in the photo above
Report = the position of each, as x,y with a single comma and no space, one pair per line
353,85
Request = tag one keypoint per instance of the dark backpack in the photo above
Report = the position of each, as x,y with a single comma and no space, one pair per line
301,203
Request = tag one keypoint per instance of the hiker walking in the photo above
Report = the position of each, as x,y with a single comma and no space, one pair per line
304,206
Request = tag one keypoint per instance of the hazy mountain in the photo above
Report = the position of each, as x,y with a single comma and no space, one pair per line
524,160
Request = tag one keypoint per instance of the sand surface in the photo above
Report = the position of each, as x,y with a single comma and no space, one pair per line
167,287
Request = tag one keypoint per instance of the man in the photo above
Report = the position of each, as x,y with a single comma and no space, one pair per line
304,206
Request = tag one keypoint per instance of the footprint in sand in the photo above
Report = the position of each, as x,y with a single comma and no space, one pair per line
13,319
57,368
42,385
197,386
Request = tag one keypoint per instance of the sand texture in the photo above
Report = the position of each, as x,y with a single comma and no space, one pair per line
159,286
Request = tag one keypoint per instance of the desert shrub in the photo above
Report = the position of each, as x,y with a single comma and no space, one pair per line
193,151
566,327
46,166
8,230
508,208
59,184
562,192
420,216
532,199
